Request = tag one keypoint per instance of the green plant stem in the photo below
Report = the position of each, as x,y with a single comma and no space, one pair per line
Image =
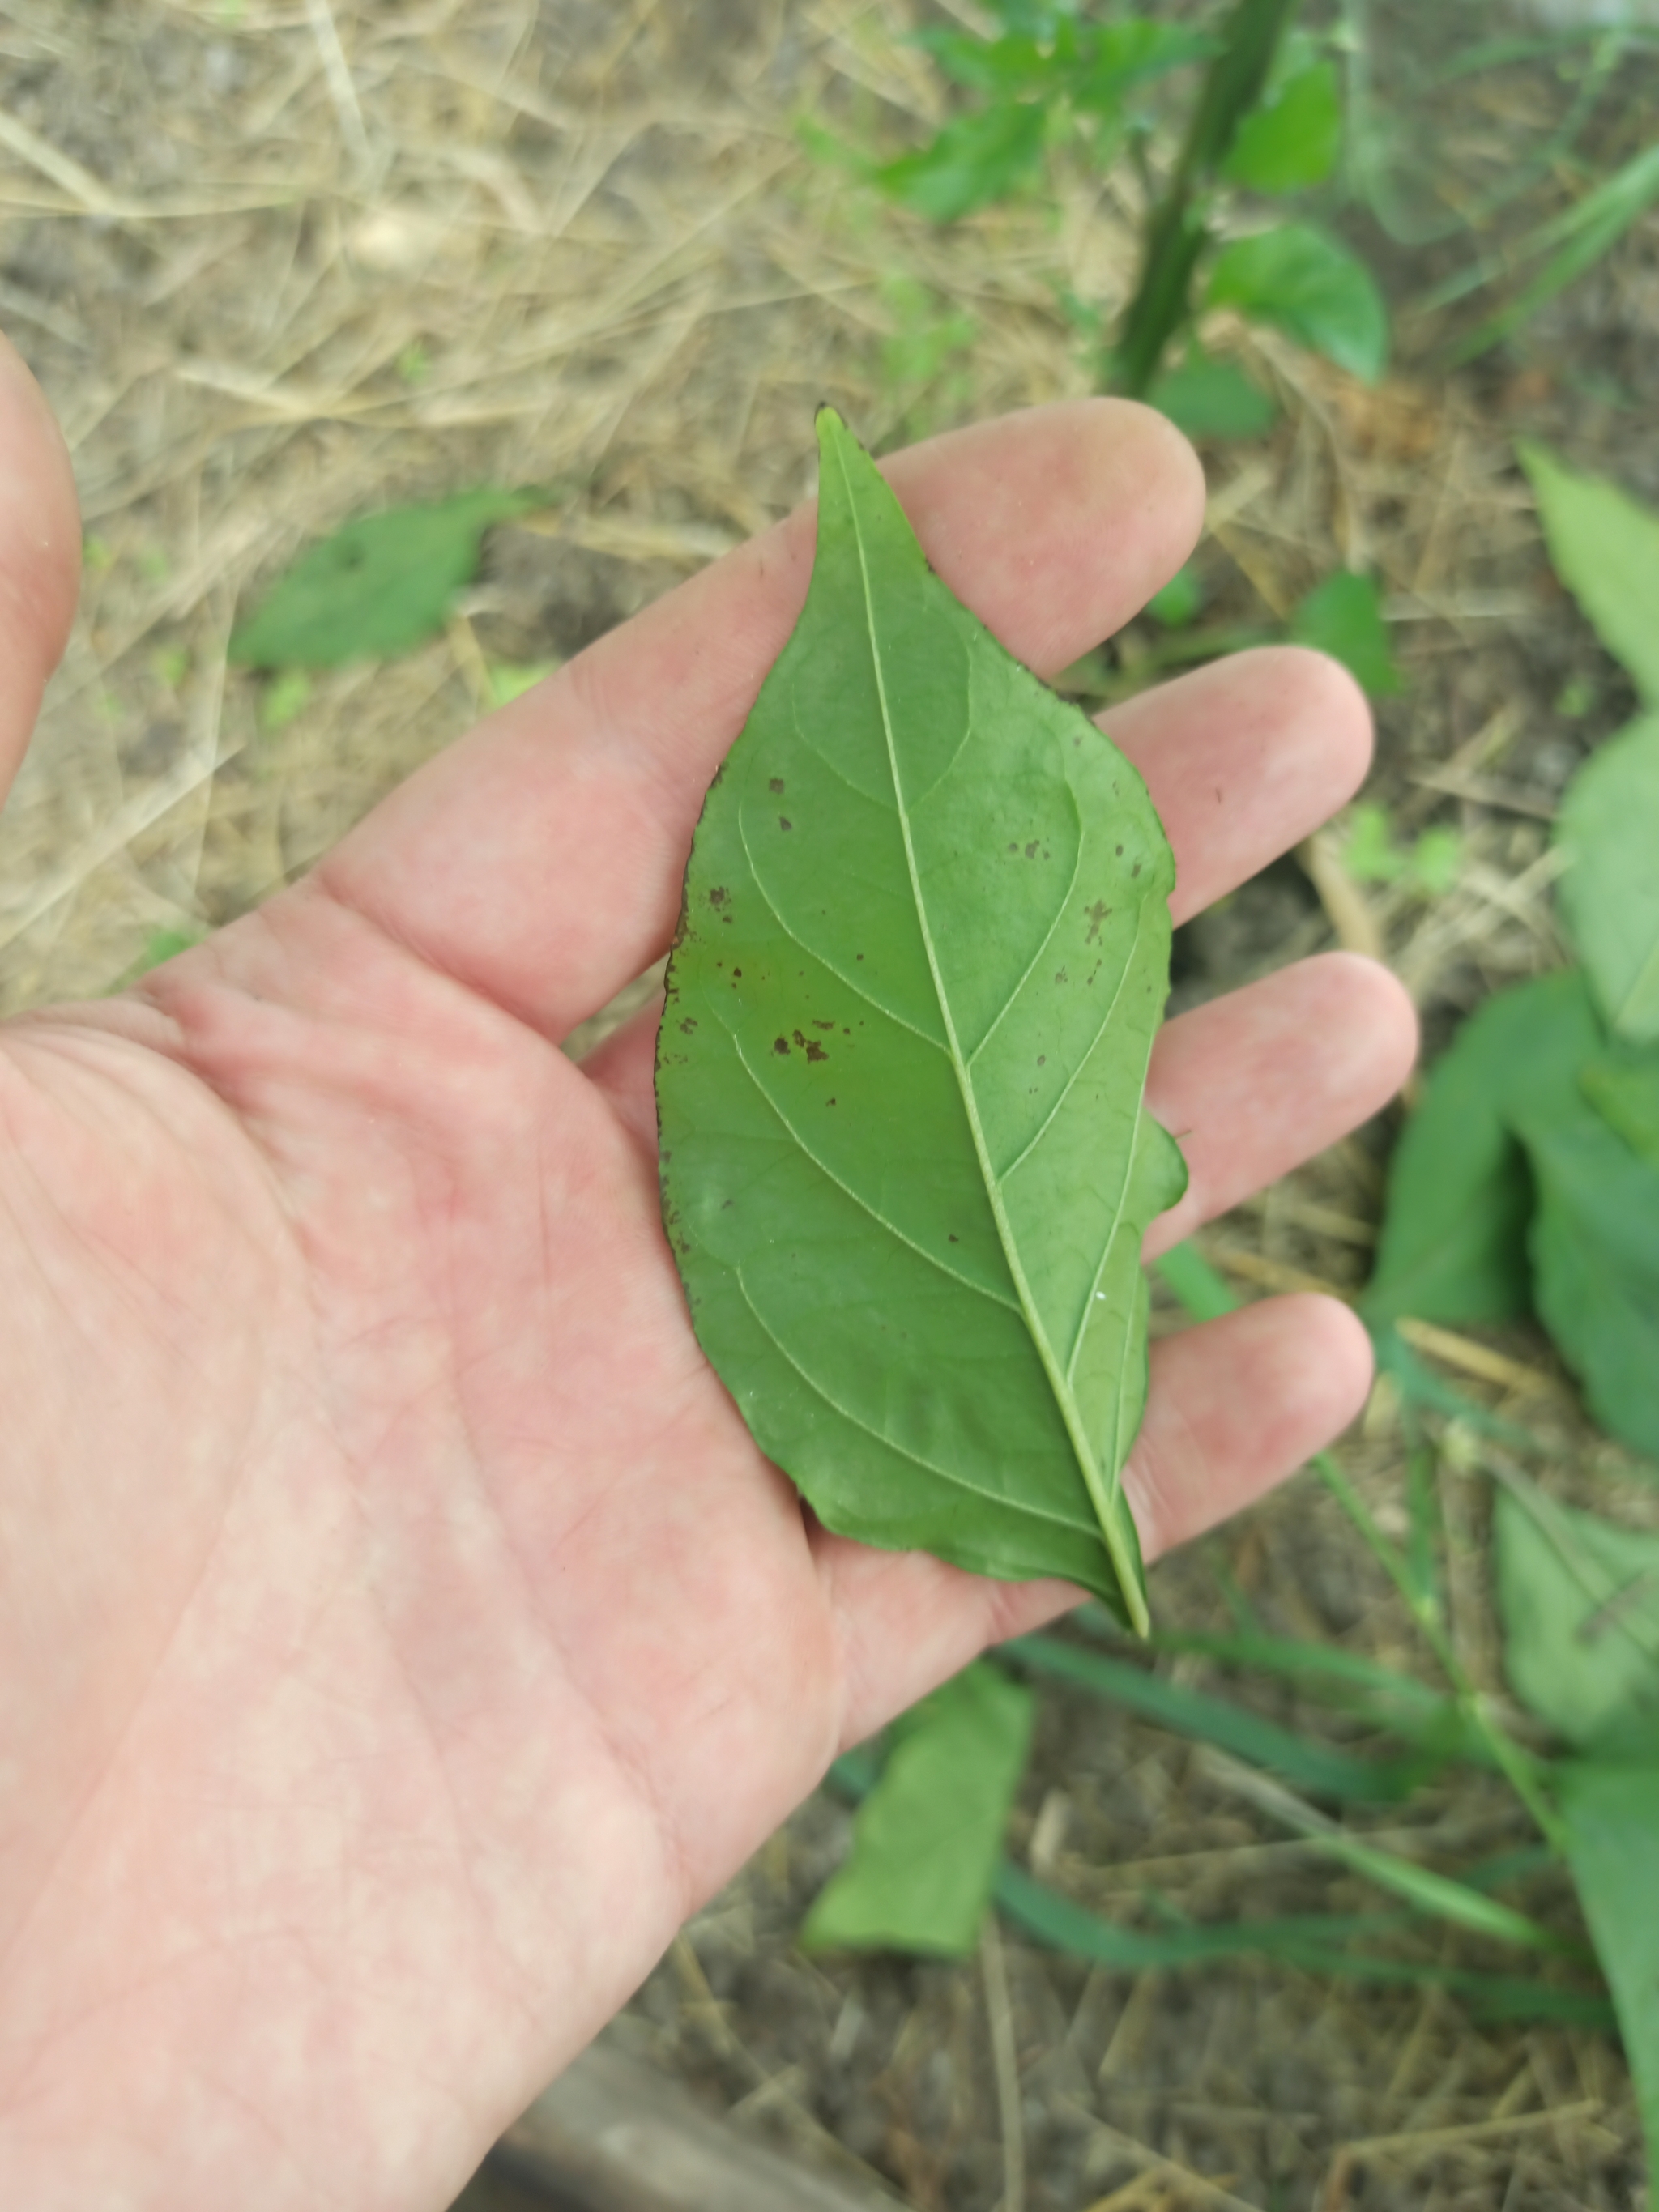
1176,234
1516,1765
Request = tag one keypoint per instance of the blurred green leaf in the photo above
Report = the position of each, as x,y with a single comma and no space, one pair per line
927,1839
1195,1282
1311,288
1608,832
284,700
1579,1602
1343,616
1586,231
1368,851
1436,860
510,679
1210,398
1315,1767
1604,546
163,945
1316,1943
1612,1813
1291,141
1010,64
1181,601
1453,1243
1134,50
378,587
1594,1237
978,158
1625,1092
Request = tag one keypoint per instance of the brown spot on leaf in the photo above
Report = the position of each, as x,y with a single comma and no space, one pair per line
1060,975
784,823
720,895
1031,850
775,786
688,1023
1095,913
780,1044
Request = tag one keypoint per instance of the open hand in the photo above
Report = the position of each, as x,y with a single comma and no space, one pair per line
400,1632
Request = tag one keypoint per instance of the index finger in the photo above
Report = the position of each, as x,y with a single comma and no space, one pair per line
540,861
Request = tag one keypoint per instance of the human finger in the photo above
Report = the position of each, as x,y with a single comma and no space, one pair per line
1254,1083
540,861
40,554
1244,758
1235,1406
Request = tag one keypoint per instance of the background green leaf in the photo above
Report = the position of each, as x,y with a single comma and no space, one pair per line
1210,398
927,1839
1579,1601
378,586
1309,286
1612,1821
1625,1092
907,1161
1608,829
1594,1238
978,158
1291,141
1115,57
1316,1767
1343,616
1453,1245
1605,549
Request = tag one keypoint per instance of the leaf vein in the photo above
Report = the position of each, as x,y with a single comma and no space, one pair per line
947,1474
828,1173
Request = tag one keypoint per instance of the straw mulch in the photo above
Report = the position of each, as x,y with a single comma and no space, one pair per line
282,262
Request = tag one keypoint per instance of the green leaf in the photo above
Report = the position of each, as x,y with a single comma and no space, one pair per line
906,1160
1316,1943
1625,1092
1609,831
1579,1602
1613,1821
1196,1283
1209,399
1590,229
990,66
1343,616
1210,1719
1314,290
1593,1242
284,700
511,679
1453,1246
979,158
1604,546
378,587
1181,601
1117,57
1290,142
927,1839
1368,851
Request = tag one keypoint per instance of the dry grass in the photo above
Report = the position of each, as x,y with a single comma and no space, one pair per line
277,264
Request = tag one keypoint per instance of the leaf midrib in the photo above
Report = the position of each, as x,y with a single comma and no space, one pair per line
1104,1498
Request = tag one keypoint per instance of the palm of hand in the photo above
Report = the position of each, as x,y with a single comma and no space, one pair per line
402,1633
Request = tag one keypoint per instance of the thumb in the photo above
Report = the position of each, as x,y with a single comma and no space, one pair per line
40,554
